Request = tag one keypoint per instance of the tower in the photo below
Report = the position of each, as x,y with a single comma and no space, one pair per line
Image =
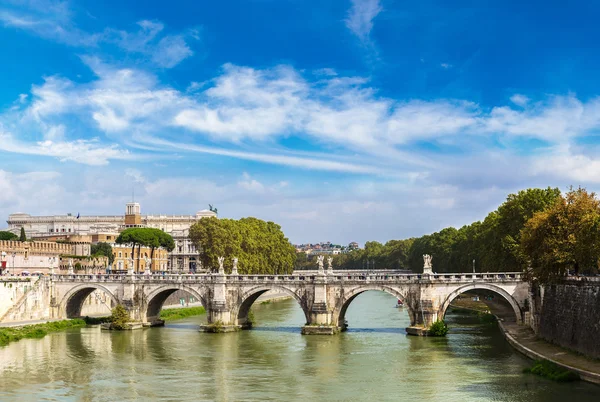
132,214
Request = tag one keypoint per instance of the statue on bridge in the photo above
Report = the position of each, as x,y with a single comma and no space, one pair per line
221,269
427,264
330,265
234,271
320,262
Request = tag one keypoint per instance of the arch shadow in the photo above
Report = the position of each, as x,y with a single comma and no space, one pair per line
156,299
250,296
340,311
72,302
482,286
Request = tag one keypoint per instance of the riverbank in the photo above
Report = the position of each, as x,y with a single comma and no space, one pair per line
12,334
524,340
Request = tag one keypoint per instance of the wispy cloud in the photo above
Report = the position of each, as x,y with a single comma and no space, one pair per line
54,21
360,17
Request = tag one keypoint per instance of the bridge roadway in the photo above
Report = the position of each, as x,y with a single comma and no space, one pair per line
324,296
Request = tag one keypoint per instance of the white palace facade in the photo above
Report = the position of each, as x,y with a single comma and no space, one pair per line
183,258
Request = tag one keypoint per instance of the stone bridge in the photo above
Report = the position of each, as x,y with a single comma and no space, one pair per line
324,296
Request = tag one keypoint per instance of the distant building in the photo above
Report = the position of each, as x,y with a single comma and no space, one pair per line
353,245
183,258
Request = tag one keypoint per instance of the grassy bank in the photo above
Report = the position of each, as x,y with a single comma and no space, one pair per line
170,314
554,372
12,334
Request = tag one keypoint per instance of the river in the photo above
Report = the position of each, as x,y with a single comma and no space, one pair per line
373,360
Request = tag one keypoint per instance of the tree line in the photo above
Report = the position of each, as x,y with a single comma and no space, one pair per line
539,229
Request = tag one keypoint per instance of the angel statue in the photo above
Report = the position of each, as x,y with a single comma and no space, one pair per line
427,263
221,260
320,262
234,271
330,264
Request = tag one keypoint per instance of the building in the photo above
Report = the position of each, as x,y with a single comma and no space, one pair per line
183,258
353,245
16,256
141,257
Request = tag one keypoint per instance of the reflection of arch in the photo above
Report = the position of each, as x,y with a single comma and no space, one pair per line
250,296
341,308
484,286
157,298
72,303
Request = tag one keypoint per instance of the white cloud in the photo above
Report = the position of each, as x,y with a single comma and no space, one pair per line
446,66
170,51
519,100
82,151
250,184
54,21
360,17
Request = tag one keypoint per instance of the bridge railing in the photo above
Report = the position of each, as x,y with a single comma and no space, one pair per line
296,277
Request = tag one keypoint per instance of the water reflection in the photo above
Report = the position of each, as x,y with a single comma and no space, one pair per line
374,360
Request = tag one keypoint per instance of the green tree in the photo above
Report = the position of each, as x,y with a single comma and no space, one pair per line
565,237
260,246
147,237
22,237
119,318
8,236
103,249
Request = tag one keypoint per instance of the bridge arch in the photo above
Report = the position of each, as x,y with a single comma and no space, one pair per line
339,312
249,297
157,297
483,286
72,302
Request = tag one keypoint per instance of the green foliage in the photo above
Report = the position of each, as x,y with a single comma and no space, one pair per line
392,255
96,320
552,371
119,318
148,237
438,328
77,266
563,238
170,314
260,246
103,249
8,236
492,243
251,319
12,334
22,237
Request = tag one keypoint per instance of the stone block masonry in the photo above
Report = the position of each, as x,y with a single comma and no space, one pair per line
570,316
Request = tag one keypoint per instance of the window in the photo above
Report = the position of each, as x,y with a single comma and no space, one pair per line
51,230
69,230
120,254
125,255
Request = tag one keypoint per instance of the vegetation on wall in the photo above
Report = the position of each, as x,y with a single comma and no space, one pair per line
103,249
22,237
260,246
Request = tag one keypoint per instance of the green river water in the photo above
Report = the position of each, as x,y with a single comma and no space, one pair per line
374,360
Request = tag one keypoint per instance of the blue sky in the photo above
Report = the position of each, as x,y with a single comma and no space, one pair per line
340,120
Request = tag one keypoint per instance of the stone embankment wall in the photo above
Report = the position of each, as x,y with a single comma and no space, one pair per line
24,300
570,316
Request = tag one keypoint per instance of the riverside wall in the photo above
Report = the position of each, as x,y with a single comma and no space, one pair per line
569,315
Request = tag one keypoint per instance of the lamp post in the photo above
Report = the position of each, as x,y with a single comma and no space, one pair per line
473,265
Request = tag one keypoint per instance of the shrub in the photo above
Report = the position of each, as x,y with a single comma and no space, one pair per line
438,328
119,317
554,372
